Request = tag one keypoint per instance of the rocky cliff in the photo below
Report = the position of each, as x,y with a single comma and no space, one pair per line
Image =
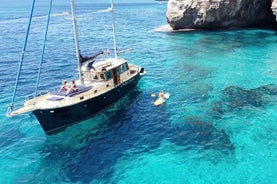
221,14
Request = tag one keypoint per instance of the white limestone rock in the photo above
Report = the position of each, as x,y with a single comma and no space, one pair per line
217,14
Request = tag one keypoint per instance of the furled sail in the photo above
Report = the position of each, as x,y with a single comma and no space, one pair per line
83,59
90,57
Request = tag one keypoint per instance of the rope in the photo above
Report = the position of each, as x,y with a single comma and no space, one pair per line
43,47
22,56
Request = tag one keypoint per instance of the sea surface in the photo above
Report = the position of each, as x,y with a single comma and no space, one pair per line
218,126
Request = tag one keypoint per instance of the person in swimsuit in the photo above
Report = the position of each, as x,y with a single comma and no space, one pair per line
161,94
64,86
73,87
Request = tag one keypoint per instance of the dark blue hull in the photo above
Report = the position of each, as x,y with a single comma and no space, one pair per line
57,119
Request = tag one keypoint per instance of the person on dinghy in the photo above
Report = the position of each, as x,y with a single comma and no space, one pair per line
161,94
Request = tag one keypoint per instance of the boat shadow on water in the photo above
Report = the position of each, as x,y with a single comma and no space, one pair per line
94,144
90,153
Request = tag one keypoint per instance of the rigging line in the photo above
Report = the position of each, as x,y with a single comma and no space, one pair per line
22,54
43,47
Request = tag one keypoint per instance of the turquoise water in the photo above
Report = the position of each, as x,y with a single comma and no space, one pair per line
219,125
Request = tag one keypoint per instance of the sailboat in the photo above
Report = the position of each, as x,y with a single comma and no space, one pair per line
101,82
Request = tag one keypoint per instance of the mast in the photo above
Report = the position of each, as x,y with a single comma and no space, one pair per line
76,40
114,36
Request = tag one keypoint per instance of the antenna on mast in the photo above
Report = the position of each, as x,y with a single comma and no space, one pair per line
114,36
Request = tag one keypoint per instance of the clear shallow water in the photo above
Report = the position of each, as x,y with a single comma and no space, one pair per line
219,125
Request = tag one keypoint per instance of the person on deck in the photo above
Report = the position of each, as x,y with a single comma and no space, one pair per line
64,86
73,87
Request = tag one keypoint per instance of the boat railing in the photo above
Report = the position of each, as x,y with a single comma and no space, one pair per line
15,106
33,95
33,98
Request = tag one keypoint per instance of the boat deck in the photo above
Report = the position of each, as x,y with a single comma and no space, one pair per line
80,89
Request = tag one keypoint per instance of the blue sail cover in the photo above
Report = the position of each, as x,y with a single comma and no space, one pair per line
83,59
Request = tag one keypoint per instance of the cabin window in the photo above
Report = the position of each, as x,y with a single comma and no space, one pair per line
122,68
102,76
118,70
109,74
